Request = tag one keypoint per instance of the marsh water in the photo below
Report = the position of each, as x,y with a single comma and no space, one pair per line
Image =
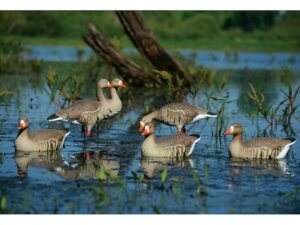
106,173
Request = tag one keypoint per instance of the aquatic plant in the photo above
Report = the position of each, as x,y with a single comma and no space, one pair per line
69,88
3,205
108,175
222,119
200,190
11,60
272,114
163,178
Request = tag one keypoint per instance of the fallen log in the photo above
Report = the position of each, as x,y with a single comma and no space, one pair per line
129,70
148,47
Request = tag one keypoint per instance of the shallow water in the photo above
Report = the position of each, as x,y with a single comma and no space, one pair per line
207,182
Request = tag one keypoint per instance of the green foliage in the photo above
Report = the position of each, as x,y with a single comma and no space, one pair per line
251,20
11,60
272,114
107,175
183,29
69,87
164,176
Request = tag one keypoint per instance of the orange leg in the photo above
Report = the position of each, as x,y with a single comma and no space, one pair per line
178,132
88,133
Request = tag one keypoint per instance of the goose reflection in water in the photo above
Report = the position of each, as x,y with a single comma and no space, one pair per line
153,166
259,167
86,166
46,160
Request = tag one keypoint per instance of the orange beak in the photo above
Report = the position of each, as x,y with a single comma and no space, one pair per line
228,132
145,132
122,85
141,126
21,126
110,85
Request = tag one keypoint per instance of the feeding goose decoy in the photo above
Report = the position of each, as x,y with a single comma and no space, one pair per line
170,146
86,112
177,114
259,148
40,140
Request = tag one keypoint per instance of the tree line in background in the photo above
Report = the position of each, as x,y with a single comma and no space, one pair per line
165,25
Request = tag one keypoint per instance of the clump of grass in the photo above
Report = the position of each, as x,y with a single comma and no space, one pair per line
11,60
222,119
69,87
107,175
290,108
272,114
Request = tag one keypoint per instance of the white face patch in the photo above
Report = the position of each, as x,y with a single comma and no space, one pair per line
231,129
22,122
142,123
120,82
147,129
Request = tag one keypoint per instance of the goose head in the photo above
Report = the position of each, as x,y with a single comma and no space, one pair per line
103,83
118,83
234,129
24,123
145,120
149,129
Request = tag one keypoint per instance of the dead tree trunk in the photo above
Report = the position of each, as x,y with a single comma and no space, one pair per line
146,44
130,70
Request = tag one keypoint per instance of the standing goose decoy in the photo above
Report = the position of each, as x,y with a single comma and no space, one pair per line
41,140
115,103
86,112
177,114
258,148
169,147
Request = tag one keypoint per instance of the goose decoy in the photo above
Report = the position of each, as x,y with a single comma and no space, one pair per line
115,103
86,112
170,146
258,148
177,114
41,140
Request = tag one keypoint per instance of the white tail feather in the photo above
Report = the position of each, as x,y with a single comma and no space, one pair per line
285,150
193,146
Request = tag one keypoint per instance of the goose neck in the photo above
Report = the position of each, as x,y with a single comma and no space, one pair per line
114,94
100,94
237,139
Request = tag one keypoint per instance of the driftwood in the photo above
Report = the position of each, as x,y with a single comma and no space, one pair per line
128,69
144,41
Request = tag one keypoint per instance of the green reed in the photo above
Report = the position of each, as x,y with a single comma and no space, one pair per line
280,113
